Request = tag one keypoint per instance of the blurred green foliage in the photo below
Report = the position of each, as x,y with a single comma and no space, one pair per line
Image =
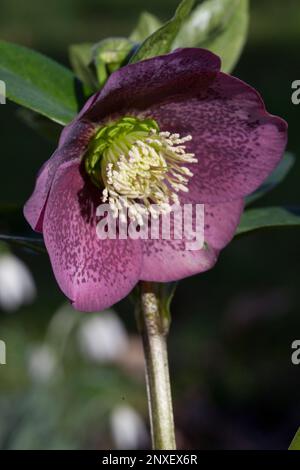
62,22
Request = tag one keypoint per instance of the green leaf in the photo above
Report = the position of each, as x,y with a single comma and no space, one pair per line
229,44
274,179
295,444
268,217
160,42
205,21
220,26
81,56
31,243
147,25
109,55
38,83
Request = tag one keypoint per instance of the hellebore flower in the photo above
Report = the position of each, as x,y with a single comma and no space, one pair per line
168,129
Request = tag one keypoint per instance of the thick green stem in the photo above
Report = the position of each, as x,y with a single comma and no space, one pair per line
154,328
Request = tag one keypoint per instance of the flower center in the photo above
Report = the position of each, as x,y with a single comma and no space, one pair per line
139,168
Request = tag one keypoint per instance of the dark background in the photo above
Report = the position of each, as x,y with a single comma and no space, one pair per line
233,381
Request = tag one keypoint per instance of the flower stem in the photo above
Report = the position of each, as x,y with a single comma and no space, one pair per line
154,325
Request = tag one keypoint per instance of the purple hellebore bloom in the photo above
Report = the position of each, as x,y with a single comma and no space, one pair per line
237,145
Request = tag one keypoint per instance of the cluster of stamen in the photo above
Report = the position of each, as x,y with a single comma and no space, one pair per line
143,170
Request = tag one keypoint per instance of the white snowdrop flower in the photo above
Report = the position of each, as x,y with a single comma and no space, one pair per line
17,286
103,338
42,363
127,428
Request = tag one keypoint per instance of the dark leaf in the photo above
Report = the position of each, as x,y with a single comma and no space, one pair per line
44,126
268,217
274,179
30,243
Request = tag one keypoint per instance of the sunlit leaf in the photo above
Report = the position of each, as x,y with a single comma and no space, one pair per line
218,25
160,42
146,26
108,55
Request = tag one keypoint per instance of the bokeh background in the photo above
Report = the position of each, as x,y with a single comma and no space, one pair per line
75,381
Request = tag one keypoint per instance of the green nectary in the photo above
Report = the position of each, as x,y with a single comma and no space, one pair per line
137,167
111,140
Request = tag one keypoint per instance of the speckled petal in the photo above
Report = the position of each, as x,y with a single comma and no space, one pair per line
236,141
221,221
93,273
70,149
67,131
133,88
127,91
169,260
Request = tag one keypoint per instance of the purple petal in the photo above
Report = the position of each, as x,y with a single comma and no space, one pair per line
135,87
221,221
236,141
169,260
67,131
71,149
93,273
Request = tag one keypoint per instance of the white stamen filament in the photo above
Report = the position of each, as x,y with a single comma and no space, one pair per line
146,169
